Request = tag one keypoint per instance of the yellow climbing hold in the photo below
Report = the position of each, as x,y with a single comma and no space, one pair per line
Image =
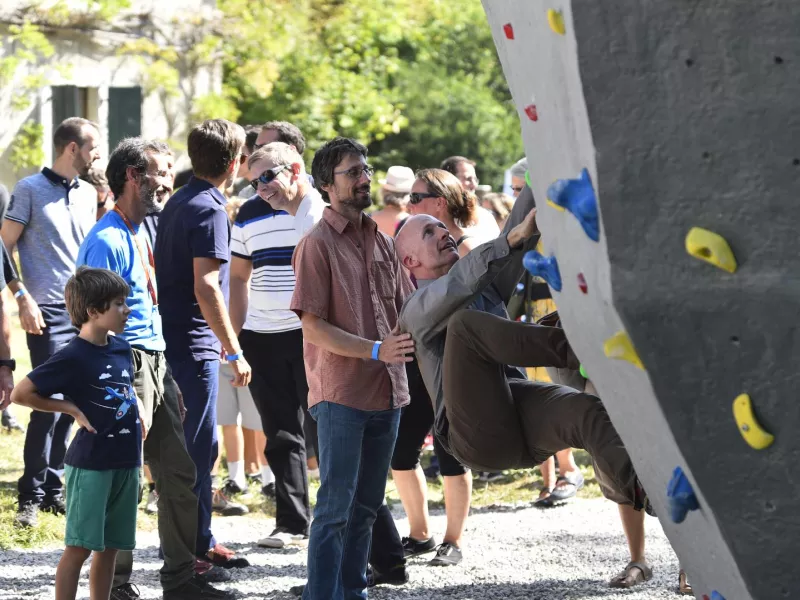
619,346
555,18
710,247
749,427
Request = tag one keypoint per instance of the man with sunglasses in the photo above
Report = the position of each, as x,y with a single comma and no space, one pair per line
266,231
350,288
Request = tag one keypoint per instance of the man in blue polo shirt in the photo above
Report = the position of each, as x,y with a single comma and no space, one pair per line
192,264
50,214
140,177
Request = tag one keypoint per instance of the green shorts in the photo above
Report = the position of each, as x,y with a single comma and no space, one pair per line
101,508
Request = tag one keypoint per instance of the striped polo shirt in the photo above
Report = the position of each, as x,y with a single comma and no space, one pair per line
267,237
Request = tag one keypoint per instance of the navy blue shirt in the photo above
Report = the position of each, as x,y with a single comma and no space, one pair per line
192,225
98,380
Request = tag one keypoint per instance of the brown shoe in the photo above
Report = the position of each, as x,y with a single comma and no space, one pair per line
226,558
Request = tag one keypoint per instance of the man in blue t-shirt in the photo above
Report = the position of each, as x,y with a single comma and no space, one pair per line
192,263
93,373
140,176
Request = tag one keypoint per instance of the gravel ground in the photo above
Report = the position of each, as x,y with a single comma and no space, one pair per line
510,552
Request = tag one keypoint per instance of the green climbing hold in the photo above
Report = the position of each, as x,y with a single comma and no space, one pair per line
583,372
528,179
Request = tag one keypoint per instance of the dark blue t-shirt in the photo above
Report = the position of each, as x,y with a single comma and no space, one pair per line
98,380
192,225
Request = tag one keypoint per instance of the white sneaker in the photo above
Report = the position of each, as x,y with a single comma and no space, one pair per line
151,506
280,538
313,473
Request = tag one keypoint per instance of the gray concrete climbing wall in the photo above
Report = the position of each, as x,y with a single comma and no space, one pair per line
685,115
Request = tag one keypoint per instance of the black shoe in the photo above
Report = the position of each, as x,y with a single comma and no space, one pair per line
126,591
8,421
54,505
412,547
197,588
297,590
27,514
269,490
231,488
448,555
395,576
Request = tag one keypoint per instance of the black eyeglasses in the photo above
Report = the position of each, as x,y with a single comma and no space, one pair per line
267,176
355,172
416,197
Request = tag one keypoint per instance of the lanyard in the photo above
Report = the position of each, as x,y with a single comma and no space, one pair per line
150,287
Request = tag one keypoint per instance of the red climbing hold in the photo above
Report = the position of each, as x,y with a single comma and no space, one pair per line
508,29
582,283
530,110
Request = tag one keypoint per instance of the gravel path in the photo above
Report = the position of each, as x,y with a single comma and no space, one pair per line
564,553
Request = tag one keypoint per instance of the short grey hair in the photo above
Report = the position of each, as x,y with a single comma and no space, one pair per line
519,168
278,153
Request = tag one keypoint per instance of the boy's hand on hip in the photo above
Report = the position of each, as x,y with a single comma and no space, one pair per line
82,421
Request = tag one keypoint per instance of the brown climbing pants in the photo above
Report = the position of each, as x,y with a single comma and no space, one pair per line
500,423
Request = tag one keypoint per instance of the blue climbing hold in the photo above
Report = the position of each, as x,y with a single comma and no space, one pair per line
578,197
546,268
715,595
681,496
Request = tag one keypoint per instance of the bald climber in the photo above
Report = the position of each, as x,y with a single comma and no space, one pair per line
488,415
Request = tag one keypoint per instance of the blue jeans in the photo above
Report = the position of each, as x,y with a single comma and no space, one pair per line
355,448
47,437
199,384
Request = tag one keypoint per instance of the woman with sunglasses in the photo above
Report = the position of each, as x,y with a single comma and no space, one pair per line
439,194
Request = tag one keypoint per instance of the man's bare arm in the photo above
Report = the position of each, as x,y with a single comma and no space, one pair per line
395,348
212,306
241,270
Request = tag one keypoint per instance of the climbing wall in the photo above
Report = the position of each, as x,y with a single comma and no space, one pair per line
665,136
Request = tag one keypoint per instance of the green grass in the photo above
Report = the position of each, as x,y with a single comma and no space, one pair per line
517,487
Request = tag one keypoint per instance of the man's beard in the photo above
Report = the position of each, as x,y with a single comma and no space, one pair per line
148,196
358,200
81,166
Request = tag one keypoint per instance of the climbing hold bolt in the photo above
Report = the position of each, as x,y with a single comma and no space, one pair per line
546,268
582,283
578,197
619,346
749,427
681,496
583,372
508,29
710,247
555,18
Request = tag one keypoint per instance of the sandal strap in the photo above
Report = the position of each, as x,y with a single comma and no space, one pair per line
646,570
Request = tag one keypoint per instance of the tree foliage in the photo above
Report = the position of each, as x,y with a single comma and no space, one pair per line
417,80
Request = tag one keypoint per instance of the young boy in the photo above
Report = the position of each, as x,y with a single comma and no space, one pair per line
94,372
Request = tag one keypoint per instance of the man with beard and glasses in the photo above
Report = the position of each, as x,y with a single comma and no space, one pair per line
192,258
349,290
50,214
140,178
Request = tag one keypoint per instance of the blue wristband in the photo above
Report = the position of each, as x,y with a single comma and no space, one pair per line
19,293
232,357
375,348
